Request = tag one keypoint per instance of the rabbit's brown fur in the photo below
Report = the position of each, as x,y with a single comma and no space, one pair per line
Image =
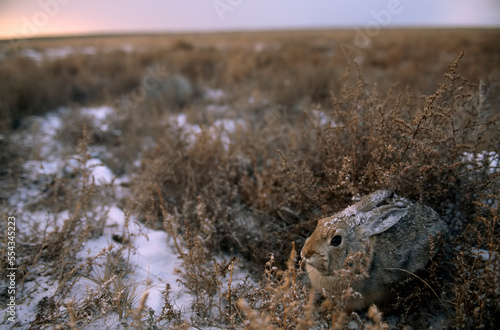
390,234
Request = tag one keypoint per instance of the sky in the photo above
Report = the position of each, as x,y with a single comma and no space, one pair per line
37,18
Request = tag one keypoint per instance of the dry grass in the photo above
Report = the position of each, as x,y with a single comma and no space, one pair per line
415,115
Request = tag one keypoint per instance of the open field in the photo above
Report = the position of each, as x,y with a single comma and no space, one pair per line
169,181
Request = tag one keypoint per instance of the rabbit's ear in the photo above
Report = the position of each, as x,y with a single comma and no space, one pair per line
381,219
374,199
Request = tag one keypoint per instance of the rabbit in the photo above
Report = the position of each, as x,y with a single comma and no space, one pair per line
390,235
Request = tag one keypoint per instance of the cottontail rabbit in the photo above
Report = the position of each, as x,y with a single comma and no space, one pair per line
389,236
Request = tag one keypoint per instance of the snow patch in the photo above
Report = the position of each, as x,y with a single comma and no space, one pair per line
56,53
100,172
489,158
230,125
153,261
34,168
214,95
321,119
100,114
222,129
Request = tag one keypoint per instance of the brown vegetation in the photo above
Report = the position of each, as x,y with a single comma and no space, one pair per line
412,113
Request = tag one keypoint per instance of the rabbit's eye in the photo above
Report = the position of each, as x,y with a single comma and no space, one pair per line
336,240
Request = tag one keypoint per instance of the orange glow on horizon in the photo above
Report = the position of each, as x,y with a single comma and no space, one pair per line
18,28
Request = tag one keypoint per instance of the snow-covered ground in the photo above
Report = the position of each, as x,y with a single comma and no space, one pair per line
153,260
154,264
50,54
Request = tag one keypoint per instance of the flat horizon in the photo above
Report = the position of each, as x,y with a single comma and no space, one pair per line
112,34
53,18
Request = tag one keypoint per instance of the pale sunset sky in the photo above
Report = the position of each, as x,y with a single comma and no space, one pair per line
36,18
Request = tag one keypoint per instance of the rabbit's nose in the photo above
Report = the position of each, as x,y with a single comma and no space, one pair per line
306,252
